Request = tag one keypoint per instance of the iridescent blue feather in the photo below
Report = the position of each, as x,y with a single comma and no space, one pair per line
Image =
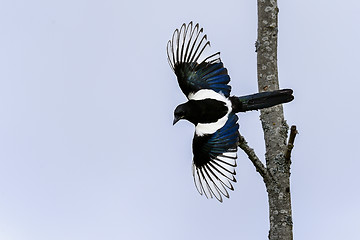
194,67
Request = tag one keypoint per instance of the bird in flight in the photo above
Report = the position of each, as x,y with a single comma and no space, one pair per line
204,80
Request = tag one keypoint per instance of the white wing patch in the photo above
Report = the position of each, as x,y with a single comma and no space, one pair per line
213,178
209,128
208,93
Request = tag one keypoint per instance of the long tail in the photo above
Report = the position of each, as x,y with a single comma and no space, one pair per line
261,100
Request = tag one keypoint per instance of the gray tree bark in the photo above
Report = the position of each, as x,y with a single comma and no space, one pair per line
274,126
276,174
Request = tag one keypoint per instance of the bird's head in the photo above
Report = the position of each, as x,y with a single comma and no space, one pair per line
181,112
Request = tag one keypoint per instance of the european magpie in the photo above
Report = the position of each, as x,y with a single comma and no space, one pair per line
204,80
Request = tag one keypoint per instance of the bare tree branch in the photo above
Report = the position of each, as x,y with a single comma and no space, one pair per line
290,145
260,168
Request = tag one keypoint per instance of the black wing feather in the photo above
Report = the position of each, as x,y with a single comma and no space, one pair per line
194,68
215,160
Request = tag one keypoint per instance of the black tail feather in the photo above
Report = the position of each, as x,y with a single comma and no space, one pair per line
261,100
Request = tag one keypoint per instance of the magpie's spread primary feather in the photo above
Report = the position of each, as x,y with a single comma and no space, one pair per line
204,80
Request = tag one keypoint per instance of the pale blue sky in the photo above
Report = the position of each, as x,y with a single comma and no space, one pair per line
87,146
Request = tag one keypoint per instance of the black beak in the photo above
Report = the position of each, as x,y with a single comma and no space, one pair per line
176,119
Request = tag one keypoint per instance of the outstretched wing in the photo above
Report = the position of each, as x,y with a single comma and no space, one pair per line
194,68
215,160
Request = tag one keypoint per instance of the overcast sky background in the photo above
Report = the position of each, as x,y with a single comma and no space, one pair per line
87,146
